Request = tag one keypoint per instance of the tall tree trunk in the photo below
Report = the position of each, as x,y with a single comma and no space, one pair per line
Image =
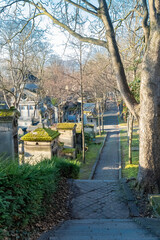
130,135
149,162
83,135
99,124
5,99
102,110
131,103
59,112
82,111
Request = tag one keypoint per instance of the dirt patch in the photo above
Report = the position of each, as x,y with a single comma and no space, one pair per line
142,202
58,212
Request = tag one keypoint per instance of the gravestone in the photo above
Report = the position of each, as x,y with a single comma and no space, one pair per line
9,133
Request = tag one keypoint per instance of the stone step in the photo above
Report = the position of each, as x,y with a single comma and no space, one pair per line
93,181
101,238
92,229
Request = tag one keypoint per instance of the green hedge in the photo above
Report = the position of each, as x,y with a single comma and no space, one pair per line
24,190
68,150
68,169
88,137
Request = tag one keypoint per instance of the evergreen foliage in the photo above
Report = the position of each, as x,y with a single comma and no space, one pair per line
24,190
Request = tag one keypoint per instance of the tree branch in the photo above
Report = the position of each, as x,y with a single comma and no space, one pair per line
5,99
152,8
81,7
6,90
9,5
157,6
68,29
90,5
18,32
145,22
109,5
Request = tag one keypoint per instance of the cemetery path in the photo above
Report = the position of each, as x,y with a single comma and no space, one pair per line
108,166
99,206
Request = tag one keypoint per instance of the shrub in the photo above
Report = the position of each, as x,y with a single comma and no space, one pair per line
25,189
88,137
68,150
68,169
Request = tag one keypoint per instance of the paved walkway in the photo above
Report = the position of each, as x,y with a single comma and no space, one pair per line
99,206
99,199
108,167
103,197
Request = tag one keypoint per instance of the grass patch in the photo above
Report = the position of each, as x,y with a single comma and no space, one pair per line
129,170
91,156
121,121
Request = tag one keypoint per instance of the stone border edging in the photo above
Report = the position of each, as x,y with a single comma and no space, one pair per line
97,160
150,224
119,153
130,199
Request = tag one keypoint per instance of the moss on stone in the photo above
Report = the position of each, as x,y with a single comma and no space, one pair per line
89,125
8,112
79,128
66,126
68,150
41,135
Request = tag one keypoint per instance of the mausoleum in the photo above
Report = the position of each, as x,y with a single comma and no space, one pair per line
9,133
40,144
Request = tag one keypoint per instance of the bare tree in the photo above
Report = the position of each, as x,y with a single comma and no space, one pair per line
21,57
82,54
100,79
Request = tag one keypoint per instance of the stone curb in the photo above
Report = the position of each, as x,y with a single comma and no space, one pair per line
119,152
150,224
130,199
97,160
120,161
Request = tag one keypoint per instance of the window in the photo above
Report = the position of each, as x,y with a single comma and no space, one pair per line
23,107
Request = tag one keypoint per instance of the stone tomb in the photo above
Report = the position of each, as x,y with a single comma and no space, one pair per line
9,133
40,144
68,134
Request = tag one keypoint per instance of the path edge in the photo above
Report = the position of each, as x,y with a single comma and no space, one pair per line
119,152
97,159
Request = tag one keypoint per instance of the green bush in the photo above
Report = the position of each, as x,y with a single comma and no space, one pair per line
88,137
25,189
68,169
68,150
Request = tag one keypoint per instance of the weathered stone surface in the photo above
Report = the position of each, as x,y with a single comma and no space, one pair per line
98,199
9,133
93,229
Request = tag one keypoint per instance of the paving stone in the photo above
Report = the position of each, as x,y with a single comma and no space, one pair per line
93,229
100,196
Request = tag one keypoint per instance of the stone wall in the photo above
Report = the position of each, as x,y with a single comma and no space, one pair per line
38,151
6,139
67,137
